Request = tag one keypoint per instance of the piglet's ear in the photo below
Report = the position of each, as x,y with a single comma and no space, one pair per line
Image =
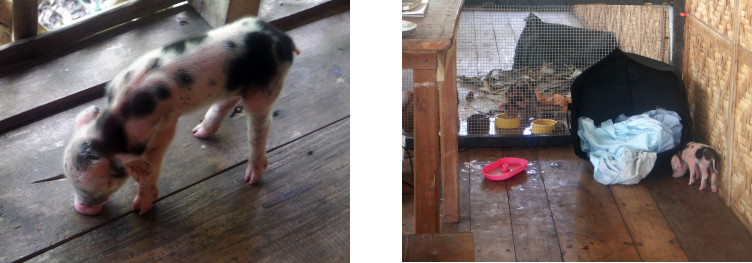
134,165
87,116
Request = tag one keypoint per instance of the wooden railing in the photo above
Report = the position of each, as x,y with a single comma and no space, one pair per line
37,49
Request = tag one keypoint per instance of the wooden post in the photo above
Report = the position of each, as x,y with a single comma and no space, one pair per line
240,8
426,122
449,126
24,19
221,12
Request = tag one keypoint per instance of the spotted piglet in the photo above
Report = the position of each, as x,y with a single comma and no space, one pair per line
246,60
700,159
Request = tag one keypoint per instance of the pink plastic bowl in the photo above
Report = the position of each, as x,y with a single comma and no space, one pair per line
504,168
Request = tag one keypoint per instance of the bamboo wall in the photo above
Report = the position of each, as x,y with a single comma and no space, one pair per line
639,29
717,68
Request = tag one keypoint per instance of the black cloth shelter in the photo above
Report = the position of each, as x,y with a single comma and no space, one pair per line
629,84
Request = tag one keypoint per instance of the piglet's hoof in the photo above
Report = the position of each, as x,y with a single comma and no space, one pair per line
203,131
254,170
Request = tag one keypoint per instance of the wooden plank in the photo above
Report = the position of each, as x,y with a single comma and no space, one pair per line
24,19
704,226
467,55
448,126
652,236
490,220
312,14
435,31
438,247
505,40
272,10
485,42
39,216
222,218
532,222
47,44
586,217
426,123
51,87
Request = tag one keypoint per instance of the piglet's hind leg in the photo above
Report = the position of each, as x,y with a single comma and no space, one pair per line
213,118
704,173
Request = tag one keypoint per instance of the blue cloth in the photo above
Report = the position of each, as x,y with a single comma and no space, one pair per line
624,152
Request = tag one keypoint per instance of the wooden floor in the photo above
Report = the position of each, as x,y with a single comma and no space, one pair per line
555,211
299,212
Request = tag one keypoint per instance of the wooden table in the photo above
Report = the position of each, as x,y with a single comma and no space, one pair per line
430,51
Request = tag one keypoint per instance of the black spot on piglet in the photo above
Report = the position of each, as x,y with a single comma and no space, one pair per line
155,64
86,155
283,45
183,77
256,66
140,105
162,91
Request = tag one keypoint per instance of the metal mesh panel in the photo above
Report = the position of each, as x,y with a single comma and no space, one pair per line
515,64
407,102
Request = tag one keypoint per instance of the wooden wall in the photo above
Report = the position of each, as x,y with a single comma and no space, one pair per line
717,68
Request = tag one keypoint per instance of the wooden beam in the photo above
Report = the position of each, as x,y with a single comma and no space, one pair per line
24,19
38,46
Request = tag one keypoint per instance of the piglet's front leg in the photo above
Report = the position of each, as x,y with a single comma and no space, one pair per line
258,126
148,188
258,106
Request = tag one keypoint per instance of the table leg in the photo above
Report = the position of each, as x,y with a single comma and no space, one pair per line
448,120
427,153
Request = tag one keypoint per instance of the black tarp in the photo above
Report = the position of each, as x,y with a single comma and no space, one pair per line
560,45
629,84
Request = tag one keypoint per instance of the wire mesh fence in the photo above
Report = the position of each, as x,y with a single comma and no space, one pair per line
407,102
515,64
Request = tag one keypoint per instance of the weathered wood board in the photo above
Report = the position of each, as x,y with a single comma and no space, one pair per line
532,222
556,211
704,226
489,210
300,213
588,223
651,233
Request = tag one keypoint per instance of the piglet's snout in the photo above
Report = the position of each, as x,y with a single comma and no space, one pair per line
83,209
